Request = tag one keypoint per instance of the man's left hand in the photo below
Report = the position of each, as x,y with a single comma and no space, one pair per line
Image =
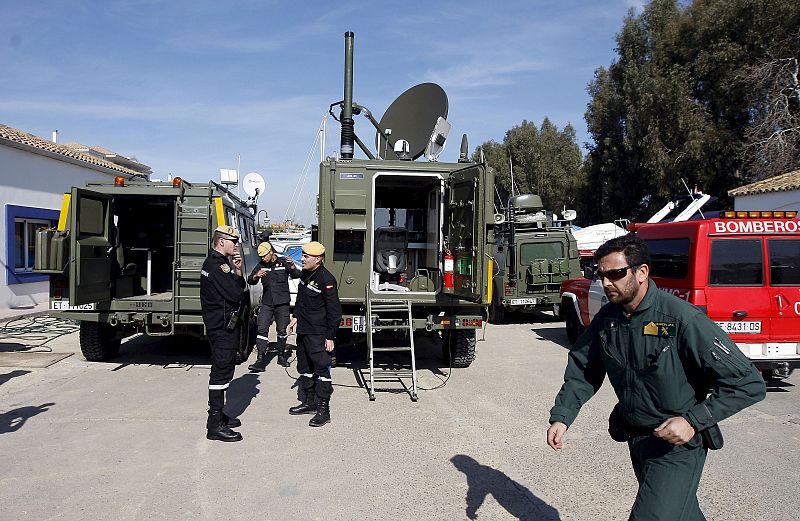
675,430
328,345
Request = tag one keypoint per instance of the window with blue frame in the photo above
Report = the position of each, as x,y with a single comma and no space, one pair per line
22,222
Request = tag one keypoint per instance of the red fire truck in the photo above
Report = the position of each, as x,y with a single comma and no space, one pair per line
741,268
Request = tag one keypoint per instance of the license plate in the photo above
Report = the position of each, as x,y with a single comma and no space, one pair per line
359,325
522,301
63,305
741,327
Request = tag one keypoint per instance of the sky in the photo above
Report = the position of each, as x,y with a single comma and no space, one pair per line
190,87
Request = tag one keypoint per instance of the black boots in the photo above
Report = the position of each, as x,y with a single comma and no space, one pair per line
283,357
309,405
323,415
217,430
260,364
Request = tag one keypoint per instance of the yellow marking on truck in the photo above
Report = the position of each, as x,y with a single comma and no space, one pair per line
220,211
62,217
491,286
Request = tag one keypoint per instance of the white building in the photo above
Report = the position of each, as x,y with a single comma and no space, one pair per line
34,175
781,192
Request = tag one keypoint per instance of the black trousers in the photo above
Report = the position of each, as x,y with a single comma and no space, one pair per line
314,365
266,314
223,364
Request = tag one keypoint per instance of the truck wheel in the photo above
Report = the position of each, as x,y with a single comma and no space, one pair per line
573,325
461,343
98,341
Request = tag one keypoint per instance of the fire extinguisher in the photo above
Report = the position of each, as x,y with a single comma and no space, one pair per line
449,262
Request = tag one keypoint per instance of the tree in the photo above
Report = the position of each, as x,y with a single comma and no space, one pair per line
545,161
706,93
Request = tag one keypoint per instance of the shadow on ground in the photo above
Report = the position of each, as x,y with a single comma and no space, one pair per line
14,420
13,374
168,352
779,386
516,499
241,392
528,317
557,335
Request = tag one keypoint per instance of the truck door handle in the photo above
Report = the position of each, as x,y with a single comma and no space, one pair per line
739,313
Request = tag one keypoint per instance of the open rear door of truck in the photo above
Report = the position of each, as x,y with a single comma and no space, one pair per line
91,245
464,232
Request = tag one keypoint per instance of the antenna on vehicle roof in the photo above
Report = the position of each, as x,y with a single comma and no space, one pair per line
692,197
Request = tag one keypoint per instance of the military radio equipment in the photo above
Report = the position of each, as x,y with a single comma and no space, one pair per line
406,235
126,258
535,251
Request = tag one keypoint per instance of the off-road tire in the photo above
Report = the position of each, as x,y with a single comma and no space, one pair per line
573,325
461,345
247,338
98,341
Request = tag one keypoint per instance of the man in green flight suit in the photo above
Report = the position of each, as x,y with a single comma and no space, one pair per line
676,375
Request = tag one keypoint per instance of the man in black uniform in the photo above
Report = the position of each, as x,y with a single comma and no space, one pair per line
676,375
221,291
274,273
317,314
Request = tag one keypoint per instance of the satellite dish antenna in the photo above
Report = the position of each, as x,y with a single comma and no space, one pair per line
253,184
412,116
437,140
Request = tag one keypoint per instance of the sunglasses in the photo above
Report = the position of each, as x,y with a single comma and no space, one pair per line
613,275
234,241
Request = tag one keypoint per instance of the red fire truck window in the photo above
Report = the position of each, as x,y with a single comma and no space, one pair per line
669,258
784,262
736,262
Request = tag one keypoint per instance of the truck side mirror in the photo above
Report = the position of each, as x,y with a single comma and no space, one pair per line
588,272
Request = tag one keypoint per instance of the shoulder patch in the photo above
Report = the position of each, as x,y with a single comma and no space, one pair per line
329,286
225,268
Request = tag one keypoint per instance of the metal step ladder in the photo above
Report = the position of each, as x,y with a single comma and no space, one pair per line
192,225
389,315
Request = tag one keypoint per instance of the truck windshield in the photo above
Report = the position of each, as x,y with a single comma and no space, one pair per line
532,251
669,257
736,262
784,262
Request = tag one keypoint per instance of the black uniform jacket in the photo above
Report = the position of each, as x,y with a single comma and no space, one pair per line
276,281
667,359
221,290
317,307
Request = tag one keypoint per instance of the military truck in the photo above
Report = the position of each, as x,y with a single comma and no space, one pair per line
535,252
126,258
407,231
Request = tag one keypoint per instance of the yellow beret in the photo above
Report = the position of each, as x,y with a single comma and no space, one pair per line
230,231
264,248
313,248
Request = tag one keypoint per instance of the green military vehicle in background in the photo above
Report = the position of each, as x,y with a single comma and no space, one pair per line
126,258
534,252
410,235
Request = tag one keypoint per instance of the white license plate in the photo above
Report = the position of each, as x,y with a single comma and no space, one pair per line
522,301
63,305
359,325
741,327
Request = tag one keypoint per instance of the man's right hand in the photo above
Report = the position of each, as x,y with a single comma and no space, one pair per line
555,435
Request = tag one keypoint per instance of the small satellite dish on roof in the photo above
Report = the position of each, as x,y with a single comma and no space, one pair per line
253,184
437,140
412,117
